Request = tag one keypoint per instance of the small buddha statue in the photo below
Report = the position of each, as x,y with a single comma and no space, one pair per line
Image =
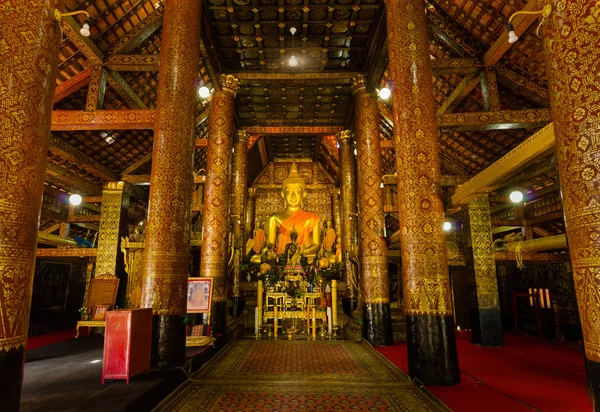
329,239
254,246
292,250
268,255
306,223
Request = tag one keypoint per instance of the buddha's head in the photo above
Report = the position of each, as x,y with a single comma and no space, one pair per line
293,189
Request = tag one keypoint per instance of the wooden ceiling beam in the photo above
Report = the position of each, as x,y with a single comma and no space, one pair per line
494,176
455,66
72,179
133,62
271,130
140,33
67,152
459,94
102,120
136,180
85,44
118,83
138,164
501,45
501,120
72,85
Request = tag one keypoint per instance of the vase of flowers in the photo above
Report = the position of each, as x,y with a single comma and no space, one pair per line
84,313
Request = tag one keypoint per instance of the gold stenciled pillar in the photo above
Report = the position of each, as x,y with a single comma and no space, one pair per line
167,242
250,213
238,207
213,260
28,59
374,281
113,225
348,205
336,213
486,319
432,354
572,49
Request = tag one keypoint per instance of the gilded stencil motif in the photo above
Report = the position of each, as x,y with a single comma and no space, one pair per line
572,46
349,204
424,259
371,239
238,203
114,202
216,196
166,252
478,233
28,57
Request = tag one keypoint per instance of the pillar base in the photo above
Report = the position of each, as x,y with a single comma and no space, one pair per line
377,324
487,327
432,357
168,341
11,379
349,304
592,370
218,318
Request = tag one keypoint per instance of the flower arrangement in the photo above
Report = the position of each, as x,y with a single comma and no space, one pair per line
84,313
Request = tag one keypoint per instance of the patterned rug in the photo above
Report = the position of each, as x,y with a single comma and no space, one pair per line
292,376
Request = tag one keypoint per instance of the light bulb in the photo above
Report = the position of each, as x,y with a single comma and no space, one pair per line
293,62
381,185
516,197
85,30
447,226
75,199
512,36
204,92
385,93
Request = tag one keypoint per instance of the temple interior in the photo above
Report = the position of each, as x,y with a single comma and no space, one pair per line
298,205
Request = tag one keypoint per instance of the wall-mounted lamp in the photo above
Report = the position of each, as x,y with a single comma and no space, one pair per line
85,29
512,36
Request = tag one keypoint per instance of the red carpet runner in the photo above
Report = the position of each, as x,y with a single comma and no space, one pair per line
34,342
525,375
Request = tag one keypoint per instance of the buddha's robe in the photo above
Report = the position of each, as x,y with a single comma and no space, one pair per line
304,223
329,239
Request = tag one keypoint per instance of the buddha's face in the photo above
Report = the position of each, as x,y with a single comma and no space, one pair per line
293,194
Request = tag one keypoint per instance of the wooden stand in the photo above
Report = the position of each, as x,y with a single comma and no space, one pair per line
127,343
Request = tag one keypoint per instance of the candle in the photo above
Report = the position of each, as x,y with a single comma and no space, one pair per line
314,318
275,320
329,320
307,318
256,320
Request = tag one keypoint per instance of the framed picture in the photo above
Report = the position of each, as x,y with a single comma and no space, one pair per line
100,312
199,295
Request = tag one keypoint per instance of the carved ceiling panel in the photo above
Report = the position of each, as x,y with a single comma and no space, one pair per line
294,103
255,34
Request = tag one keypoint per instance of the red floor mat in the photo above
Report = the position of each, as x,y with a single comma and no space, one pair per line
34,342
525,375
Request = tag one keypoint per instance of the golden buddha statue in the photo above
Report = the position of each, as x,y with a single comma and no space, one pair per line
306,223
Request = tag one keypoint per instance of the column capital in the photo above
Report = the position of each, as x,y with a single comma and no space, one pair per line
243,135
359,84
229,84
344,134
334,191
251,191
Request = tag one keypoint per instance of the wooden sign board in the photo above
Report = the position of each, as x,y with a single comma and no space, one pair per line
103,292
